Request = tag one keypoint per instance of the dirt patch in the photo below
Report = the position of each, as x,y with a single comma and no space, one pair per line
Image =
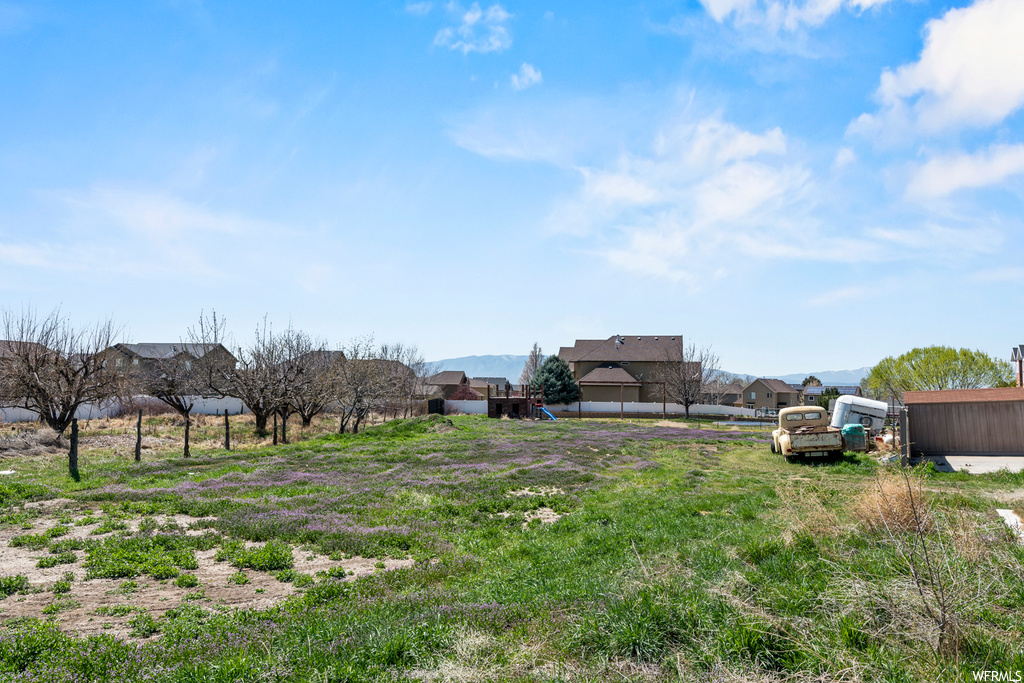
539,491
545,515
88,597
1014,496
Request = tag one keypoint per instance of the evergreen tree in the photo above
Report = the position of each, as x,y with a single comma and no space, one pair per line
826,397
557,382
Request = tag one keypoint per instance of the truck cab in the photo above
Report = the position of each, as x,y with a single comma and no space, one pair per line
805,431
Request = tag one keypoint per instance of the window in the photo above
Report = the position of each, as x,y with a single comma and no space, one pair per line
769,394
753,396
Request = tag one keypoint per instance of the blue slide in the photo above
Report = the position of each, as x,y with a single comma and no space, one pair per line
545,411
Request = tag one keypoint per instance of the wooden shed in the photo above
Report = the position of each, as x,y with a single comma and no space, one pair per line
966,421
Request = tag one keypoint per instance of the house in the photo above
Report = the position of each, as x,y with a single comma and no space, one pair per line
966,421
811,395
1017,357
770,395
452,382
497,384
615,368
147,358
723,394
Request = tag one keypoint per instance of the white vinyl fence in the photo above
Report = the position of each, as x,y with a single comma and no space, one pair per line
480,408
203,406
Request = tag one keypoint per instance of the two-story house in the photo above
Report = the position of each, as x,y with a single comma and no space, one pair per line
615,368
770,395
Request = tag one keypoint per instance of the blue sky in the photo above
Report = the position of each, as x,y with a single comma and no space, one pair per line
801,184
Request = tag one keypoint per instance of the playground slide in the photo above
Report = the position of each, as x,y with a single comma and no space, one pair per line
545,411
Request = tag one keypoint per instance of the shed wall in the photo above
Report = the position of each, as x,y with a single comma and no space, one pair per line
975,428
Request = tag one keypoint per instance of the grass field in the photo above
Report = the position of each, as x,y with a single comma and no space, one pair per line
473,549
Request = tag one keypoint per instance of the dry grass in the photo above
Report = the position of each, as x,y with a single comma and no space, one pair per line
35,442
895,502
803,512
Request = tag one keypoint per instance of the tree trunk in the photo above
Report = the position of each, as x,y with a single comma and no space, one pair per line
188,424
138,438
275,427
284,427
227,432
307,421
261,423
73,453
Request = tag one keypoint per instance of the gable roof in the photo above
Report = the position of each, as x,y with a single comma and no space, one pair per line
495,381
1017,354
447,377
964,395
164,351
776,385
619,348
610,374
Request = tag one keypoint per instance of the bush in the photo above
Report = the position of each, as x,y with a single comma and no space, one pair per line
9,585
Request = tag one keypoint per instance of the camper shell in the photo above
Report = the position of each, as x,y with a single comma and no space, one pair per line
856,410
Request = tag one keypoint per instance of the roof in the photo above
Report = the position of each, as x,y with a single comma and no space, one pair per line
618,348
7,347
610,374
776,385
494,381
447,377
843,390
164,351
964,396
1017,354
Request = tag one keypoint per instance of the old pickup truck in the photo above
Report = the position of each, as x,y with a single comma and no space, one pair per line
804,430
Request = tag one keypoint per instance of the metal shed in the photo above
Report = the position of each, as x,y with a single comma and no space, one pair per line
966,421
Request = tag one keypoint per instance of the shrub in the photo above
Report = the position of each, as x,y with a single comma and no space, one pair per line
186,581
9,585
273,555
54,560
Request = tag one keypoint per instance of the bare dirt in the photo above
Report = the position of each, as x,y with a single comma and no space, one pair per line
215,590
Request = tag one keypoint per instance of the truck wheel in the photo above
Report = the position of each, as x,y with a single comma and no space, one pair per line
774,450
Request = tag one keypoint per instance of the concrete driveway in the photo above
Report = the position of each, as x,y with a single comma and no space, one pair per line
977,464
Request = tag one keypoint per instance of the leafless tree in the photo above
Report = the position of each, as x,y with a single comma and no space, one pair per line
687,373
177,381
310,389
533,362
254,379
52,369
355,377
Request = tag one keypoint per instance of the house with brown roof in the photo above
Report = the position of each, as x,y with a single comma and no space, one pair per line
451,382
615,368
770,395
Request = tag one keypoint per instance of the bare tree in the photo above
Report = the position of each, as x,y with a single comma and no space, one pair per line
177,377
533,362
687,373
52,369
354,377
311,388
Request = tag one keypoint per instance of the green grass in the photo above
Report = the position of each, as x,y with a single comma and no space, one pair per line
699,554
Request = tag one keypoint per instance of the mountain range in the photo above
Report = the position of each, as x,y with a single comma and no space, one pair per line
511,366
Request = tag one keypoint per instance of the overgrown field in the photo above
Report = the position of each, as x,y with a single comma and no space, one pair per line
471,549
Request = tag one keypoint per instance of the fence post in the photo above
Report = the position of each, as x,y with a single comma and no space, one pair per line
275,427
227,431
904,438
73,453
138,438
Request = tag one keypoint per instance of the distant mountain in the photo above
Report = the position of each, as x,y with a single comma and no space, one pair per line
827,377
833,377
508,367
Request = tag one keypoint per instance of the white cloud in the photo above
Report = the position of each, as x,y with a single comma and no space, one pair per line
970,73
782,14
478,30
941,176
937,239
419,9
844,157
528,75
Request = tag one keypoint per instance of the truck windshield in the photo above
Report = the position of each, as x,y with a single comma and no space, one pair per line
797,417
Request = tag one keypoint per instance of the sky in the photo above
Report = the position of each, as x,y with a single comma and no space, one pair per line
799,184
